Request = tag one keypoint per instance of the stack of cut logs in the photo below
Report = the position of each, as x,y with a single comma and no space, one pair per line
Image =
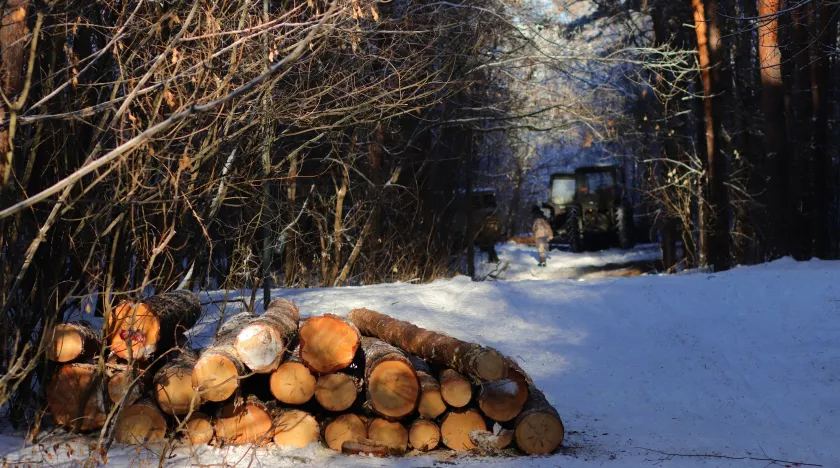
367,383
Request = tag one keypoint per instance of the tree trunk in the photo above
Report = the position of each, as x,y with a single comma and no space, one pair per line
199,429
424,435
501,400
140,423
328,343
262,344
456,428
714,72
153,325
174,391
431,402
539,429
364,447
337,391
775,130
455,389
125,383
292,383
248,422
12,54
473,360
217,372
295,428
71,341
393,389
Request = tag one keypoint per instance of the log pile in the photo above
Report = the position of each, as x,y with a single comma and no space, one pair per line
364,384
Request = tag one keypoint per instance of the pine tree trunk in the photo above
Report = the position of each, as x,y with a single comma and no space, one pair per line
539,429
217,372
292,383
174,391
431,402
13,15
475,361
393,389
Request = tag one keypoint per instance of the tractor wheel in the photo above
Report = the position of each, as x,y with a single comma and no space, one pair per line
626,234
573,229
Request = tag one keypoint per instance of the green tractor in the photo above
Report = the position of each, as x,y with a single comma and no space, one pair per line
588,206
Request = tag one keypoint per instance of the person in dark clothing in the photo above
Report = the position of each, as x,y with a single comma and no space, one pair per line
543,234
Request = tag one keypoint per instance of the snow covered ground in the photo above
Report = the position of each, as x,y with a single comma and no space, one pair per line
740,364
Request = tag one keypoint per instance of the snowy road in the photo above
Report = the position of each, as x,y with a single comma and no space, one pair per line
741,364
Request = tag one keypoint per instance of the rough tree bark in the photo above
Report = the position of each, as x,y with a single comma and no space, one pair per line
262,344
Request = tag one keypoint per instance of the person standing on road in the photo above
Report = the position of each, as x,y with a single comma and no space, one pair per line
542,234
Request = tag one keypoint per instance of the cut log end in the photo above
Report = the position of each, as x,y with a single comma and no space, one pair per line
199,429
393,388
140,423
243,423
69,341
74,386
539,433
123,383
501,400
424,435
457,426
215,377
336,392
134,326
328,343
292,383
455,389
260,347
431,404
491,366
392,435
364,447
174,392
347,427
488,441
295,428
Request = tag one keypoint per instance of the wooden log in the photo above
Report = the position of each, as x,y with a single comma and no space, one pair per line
393,389
538,428
293,383
392,435
455,389
296,428
523,381
491,442
431,403
501,400
364,447
173,389
261,345
241,422
337,391
456,428
424,435
140,423
328,343
199,429
473,360
217,372
124,384
67,342
347,427
76,397
153,324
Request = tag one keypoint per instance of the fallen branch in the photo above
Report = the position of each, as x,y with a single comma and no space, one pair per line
726,457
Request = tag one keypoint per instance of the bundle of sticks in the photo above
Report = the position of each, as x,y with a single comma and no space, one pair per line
367,383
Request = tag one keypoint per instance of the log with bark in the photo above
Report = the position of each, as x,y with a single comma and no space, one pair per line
217,372
390,434
139,423
364,447
328,343
76,397
68,342
173,387
473,360
154,324
125,384
337,391
347,427
296,428
455,389
431,402
293,383
393,389
245,421
199,429
262,344
538,428
456,428
424,435
501,400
